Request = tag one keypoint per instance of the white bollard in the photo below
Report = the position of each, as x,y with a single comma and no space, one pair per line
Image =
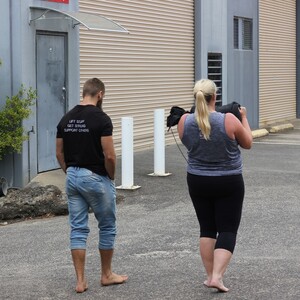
159,143
127,155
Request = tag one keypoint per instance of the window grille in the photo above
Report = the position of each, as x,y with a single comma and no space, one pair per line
214,73
247,34
236,33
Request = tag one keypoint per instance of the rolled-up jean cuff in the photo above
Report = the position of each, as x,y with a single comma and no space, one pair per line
77,247
107,247
107,243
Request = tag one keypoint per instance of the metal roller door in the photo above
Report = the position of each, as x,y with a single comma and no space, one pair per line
152,67
277,61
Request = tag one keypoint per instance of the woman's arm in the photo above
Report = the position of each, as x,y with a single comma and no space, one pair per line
240,131
180,126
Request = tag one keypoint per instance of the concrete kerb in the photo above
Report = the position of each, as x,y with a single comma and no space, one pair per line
281,127
276,128
259,133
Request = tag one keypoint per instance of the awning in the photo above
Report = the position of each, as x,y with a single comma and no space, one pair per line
90,21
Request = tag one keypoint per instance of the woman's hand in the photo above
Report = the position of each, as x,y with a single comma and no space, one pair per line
243,112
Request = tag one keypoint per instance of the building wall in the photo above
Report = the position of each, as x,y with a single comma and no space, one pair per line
156,65
242,65
18,67
214,33
277,61
297,59
211,36
151,68
6,169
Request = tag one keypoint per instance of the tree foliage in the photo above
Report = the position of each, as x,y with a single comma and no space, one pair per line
16,109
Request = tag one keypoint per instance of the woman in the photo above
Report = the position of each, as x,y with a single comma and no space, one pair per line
214,177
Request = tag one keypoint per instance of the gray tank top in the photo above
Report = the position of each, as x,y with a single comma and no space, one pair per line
218,156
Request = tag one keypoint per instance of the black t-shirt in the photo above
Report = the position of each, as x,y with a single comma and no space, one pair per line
81,130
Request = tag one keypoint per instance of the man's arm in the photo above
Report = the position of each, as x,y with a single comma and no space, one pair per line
60,153
109,155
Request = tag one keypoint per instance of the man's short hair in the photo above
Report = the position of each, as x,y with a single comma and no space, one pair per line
92,87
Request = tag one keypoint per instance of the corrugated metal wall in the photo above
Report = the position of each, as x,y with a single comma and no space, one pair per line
277,60
152,67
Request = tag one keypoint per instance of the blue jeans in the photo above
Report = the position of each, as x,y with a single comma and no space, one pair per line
86,189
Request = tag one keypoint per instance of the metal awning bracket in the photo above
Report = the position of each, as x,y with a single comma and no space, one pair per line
42,16
75,24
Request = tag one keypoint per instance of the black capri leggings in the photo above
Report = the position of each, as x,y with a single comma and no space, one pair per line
218,202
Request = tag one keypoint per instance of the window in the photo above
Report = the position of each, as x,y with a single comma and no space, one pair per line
214,73
242,33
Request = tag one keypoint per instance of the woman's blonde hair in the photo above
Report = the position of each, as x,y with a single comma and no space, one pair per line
204,90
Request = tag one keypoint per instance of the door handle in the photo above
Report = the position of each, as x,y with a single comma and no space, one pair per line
64,93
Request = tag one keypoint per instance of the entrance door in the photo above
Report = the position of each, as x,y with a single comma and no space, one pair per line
51,91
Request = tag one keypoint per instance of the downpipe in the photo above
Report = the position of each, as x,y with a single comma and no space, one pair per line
28,146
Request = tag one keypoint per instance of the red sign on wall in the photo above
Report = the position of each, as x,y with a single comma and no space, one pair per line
61,1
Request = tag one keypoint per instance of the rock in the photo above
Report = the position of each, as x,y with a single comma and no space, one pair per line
32,202
35,201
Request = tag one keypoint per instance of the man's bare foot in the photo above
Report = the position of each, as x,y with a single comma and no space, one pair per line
113,279
81,287
218,284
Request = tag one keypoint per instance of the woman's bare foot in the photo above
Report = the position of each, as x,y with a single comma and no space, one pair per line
113,279
218,284
207,282
81,287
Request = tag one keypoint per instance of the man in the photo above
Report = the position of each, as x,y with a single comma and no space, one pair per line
85,152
